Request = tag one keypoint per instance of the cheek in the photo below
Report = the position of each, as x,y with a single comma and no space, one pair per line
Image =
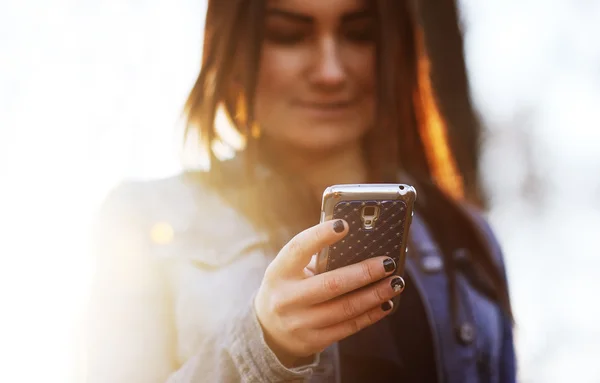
278,76
361,69
361,64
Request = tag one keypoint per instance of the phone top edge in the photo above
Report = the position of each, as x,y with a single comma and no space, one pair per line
369,191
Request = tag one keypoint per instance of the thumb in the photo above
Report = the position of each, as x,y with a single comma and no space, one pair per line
297,253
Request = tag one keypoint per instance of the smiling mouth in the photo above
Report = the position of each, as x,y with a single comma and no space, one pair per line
326,106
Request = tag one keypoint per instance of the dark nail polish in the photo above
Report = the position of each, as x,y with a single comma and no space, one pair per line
389,265
338,226
397,284
386,306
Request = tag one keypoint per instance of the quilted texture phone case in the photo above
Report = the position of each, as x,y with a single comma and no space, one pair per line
384,238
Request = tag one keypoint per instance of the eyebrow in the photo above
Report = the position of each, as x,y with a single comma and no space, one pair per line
357,15
305,19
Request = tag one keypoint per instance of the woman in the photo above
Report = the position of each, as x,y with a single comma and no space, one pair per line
206,277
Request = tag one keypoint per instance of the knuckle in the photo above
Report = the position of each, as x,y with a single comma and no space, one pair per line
380,294
294,327
366,272
277,304
294,246
318,234
333,284
349,308
370,318
353,326
364,321
269,275
289,330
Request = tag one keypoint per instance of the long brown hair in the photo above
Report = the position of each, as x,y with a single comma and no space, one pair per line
410,134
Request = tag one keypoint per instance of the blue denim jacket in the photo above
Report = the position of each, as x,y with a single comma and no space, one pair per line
481,348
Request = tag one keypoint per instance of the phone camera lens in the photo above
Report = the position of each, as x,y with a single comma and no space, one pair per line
369,211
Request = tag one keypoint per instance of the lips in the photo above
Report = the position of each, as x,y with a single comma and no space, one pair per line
325,106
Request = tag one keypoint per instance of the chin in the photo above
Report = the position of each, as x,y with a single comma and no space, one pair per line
327,139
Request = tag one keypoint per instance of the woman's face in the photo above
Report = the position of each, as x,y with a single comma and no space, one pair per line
316,82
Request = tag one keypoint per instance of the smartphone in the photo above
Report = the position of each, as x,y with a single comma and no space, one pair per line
379,218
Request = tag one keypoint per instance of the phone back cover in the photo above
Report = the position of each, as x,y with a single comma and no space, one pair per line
384,239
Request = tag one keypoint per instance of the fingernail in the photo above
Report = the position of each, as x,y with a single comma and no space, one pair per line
389,265
387,306
397,284
338,226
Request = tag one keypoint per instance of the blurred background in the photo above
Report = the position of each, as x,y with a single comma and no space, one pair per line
91,93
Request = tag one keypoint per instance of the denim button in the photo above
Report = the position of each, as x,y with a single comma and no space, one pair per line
461,256
466,333
432,263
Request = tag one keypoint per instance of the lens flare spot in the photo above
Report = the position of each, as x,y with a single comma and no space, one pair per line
162,233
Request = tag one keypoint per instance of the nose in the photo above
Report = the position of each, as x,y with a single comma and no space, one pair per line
329,71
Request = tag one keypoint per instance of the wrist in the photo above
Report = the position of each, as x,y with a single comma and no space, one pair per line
285,357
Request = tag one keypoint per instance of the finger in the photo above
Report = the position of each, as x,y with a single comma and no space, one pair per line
296,254
343,330
352,305
311,269
331,284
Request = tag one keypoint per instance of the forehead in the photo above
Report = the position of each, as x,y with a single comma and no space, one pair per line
319,8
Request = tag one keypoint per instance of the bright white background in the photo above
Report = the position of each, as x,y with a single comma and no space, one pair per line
91,92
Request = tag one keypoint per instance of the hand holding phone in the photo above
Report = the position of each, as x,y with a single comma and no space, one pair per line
302,313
